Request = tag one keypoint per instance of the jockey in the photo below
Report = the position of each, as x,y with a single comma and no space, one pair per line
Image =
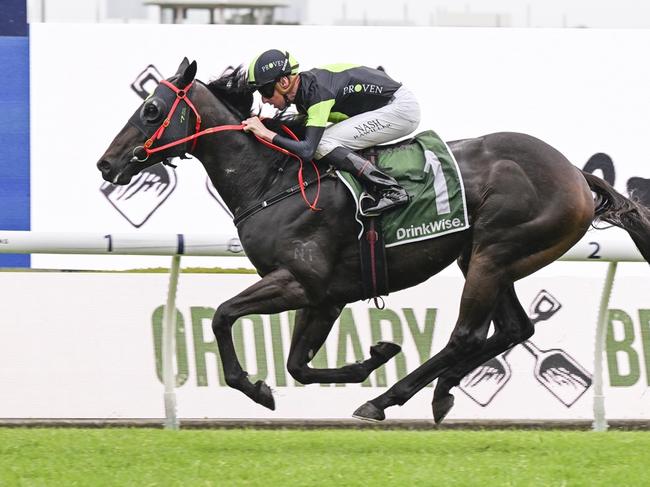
365,106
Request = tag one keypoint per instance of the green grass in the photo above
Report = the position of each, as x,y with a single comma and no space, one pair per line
146,457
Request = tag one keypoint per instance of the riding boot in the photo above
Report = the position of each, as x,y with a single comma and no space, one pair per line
389,194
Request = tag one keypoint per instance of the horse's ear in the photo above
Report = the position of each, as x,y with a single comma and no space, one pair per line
188,74
183,66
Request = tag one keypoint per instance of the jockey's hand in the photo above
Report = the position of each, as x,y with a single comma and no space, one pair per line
255,126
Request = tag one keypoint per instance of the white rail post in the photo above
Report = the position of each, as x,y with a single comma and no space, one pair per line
168,346
600,422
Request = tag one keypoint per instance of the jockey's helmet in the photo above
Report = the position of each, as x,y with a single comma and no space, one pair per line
270,66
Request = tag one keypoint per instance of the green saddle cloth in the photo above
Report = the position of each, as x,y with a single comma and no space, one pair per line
428,171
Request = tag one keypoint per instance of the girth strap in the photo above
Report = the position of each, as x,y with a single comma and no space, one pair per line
279,197
374,269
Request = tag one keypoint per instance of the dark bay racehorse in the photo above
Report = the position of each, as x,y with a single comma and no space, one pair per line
527,206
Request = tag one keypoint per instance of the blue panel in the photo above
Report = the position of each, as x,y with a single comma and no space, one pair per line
13,18
14,142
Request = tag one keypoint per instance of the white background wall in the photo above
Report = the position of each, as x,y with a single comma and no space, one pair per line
582,91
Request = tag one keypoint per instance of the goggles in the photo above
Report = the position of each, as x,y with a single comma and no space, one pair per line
267,90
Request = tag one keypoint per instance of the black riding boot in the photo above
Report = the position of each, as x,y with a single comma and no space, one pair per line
389,194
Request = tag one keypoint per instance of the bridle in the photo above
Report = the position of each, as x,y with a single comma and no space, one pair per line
182,94
142,153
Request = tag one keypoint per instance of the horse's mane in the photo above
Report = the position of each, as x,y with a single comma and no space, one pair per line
232,88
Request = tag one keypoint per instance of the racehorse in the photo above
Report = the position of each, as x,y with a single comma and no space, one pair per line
527,206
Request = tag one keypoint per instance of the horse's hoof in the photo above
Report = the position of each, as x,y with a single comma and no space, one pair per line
385,350
441,407
263,395
369,412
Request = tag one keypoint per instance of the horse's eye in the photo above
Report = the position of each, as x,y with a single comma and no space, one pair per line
151,112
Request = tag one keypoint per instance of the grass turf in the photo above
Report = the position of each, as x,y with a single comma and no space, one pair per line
147,457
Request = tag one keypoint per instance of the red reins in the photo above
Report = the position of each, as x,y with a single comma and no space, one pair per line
181,94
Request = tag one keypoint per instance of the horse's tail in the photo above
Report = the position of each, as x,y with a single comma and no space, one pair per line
612,207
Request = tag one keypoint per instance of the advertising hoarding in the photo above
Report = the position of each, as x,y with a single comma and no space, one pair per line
91,349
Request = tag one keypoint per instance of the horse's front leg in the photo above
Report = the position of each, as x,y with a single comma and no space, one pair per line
276,292
312,326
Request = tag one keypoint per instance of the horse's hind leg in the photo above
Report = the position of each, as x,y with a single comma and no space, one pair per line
276,292
516,232
511,326
483,286
312,326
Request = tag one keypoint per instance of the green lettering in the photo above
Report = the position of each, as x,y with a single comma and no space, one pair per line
278,351
423,338
203,347
623,347
644,323
181,345
377,317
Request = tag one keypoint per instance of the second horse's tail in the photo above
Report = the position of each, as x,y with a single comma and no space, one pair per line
612,207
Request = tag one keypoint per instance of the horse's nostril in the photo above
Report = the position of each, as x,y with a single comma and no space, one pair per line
104,166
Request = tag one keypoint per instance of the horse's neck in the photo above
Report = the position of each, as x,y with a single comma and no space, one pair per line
241,169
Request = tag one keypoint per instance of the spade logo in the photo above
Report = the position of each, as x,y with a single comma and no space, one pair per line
146,82
149,189
146,192
555,370
213,192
